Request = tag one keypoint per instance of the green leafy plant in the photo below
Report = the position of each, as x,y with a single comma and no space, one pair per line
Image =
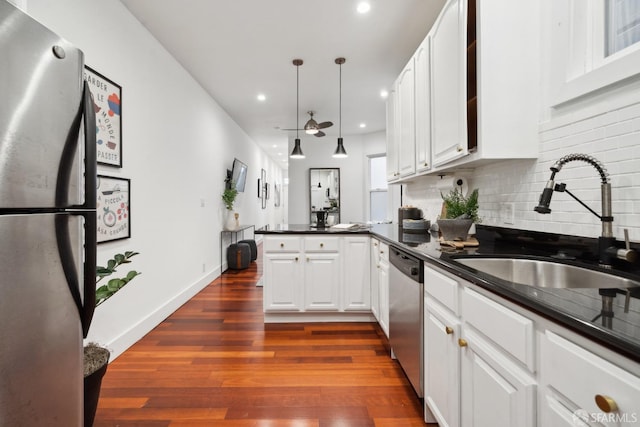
229,196
105,292
457,206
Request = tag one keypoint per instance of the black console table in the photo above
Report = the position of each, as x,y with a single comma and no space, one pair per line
233,236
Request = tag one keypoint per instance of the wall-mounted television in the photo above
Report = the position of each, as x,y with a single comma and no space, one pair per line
238,175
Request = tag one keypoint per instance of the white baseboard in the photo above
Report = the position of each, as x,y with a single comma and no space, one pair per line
140,329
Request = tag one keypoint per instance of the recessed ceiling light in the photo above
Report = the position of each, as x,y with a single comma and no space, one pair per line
363,7
384,93
261,97
275,145
363,125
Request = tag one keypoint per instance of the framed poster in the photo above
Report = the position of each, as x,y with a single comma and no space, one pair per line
276,195
107,104
112,208
263,188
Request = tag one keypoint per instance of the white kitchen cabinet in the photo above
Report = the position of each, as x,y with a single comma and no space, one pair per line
393,173
405,93
375,287
448,55
573,380
494,390
383,284
283,275
322,281
441,363
356,275
422,63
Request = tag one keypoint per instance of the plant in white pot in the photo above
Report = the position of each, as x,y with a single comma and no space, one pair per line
458,214
228,198
96,357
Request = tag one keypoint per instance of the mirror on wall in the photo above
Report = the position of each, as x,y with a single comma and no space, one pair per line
324,197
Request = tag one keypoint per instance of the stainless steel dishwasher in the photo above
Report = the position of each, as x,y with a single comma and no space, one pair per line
406,279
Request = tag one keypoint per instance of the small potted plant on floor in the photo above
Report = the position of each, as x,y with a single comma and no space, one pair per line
96,357
458,213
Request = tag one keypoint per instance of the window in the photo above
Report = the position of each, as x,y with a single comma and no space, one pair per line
622,24
378,188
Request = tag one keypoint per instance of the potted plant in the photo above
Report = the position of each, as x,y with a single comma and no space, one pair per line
458,213
96,357
228,197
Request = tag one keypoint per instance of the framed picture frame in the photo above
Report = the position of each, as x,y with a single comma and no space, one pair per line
263,188
107,100
276,195
113,213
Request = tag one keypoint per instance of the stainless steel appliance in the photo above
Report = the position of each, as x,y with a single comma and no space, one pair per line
406,279
47,224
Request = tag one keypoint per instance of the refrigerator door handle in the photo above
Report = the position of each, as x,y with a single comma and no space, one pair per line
65,250
90,165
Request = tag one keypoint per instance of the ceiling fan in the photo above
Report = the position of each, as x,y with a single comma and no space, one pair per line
312,127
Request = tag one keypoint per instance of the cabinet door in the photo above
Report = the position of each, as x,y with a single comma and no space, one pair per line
442,364
383,283
495,392
355,280
375,288
322,281
423,106
405,91
282,282
448,54
392,138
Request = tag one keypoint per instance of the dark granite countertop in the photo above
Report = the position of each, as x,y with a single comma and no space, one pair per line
577,309
308,229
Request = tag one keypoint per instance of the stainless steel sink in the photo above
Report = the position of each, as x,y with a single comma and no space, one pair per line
546,274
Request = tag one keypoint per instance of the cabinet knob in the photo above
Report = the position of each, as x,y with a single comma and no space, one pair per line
296,258
282,245
462,343
448,330
606,404
375,244
322,245
307,259
459,149
426,164
381,252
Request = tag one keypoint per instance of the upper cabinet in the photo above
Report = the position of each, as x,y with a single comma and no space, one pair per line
392,137
405,93
476,85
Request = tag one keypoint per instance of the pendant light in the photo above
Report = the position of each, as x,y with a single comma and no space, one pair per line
340,152
297,151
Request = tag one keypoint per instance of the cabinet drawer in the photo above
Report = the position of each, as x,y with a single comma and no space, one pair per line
443,288
282,244
321,244
574,373
505,327
384,251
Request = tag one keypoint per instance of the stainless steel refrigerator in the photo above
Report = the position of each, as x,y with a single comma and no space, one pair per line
47,223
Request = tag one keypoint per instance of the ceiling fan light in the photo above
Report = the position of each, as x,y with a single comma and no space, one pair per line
311,131
340,152
297,151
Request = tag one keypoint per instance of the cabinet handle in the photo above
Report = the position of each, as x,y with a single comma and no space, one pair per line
282,245
462,343
459,149
448,330
322,245
606,404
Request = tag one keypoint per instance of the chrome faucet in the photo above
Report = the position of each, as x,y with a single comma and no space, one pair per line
606,242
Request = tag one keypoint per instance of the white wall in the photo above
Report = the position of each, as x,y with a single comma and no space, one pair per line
353,174
604,124
177,145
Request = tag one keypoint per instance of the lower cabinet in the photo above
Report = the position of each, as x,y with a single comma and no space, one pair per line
383,288
356,291
322,281
374,265
283,275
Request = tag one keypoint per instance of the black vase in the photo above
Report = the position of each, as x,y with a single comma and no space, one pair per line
92,385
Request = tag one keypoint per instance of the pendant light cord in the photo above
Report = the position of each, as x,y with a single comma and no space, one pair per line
340,101
297,99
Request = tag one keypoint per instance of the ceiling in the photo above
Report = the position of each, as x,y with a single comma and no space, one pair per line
237,49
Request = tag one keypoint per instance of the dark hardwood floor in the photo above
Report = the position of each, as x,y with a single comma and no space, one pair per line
215,363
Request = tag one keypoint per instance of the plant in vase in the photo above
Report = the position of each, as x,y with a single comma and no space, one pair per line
228,198
458,214
96,357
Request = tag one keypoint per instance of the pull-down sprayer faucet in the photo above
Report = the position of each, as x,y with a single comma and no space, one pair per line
606,242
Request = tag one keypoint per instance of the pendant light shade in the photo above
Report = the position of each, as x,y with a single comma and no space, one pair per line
340,152
297,151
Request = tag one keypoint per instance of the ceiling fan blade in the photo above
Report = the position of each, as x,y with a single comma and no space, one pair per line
290,129
319,134
324,125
